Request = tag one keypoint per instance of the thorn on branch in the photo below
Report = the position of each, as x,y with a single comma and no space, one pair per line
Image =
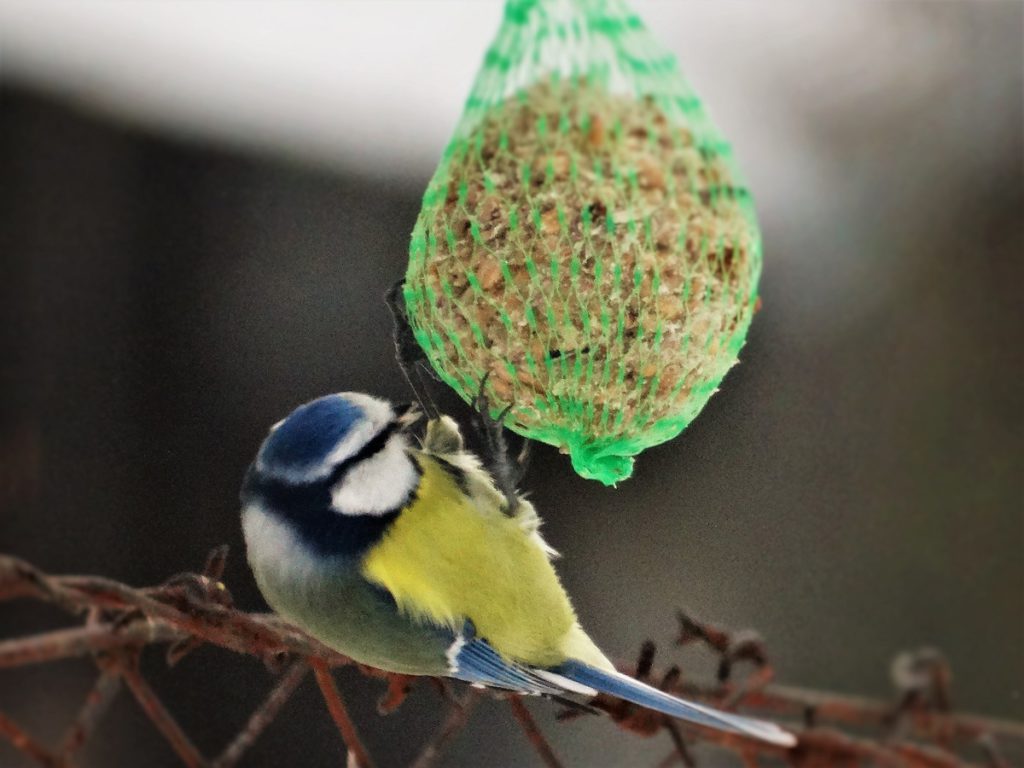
742,646
178,650
216,561
925,674
993,754
628,716
732,648
19,579
396,693
645,661
691,630
922,679
670,679
190,592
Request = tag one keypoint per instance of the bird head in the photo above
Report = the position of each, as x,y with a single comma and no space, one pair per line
316,438
333,473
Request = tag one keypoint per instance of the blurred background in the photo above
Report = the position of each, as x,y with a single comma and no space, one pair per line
201,205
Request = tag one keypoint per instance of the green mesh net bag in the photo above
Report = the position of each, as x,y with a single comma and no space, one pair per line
586,243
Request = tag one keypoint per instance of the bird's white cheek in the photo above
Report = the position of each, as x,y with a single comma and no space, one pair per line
378,485
274,551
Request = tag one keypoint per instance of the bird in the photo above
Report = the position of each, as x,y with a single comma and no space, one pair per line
401,552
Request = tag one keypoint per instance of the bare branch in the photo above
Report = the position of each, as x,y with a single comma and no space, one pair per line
682,751
82,641
264,715
529,726
993,755
23,742
339,713
916,729
96,704
161,717
458,716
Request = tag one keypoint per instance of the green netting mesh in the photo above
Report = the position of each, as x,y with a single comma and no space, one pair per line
586,241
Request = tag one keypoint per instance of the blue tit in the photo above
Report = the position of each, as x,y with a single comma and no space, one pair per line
403,555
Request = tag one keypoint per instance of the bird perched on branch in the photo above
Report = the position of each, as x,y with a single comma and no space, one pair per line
410,559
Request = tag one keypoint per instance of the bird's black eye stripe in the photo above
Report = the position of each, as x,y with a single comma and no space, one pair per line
307,506
457,474
372,448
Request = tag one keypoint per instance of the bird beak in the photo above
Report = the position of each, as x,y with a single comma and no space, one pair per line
407,414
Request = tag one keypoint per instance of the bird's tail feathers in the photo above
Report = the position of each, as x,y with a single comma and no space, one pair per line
624,687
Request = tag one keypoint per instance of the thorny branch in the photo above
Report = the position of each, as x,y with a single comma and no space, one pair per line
917,730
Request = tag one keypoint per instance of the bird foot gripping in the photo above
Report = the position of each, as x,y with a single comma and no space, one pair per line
408,353
506,470
442,433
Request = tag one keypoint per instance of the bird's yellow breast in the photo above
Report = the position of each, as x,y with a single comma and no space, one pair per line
450,557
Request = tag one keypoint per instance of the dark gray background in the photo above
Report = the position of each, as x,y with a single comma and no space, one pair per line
854,489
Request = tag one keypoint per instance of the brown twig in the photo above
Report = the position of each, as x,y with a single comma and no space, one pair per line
533,733
398,689
161,717
264,715
458,716
682,751
928,714
786,702
191,609
96,704
819,747
339,713
82,641
22,741
993,755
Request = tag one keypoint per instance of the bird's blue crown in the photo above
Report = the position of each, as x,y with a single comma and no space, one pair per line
303,442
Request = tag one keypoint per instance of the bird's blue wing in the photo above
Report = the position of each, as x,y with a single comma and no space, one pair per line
477,662
473,660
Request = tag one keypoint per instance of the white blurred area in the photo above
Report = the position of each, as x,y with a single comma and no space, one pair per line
375,87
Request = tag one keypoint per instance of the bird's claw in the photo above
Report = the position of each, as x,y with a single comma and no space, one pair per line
505,470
